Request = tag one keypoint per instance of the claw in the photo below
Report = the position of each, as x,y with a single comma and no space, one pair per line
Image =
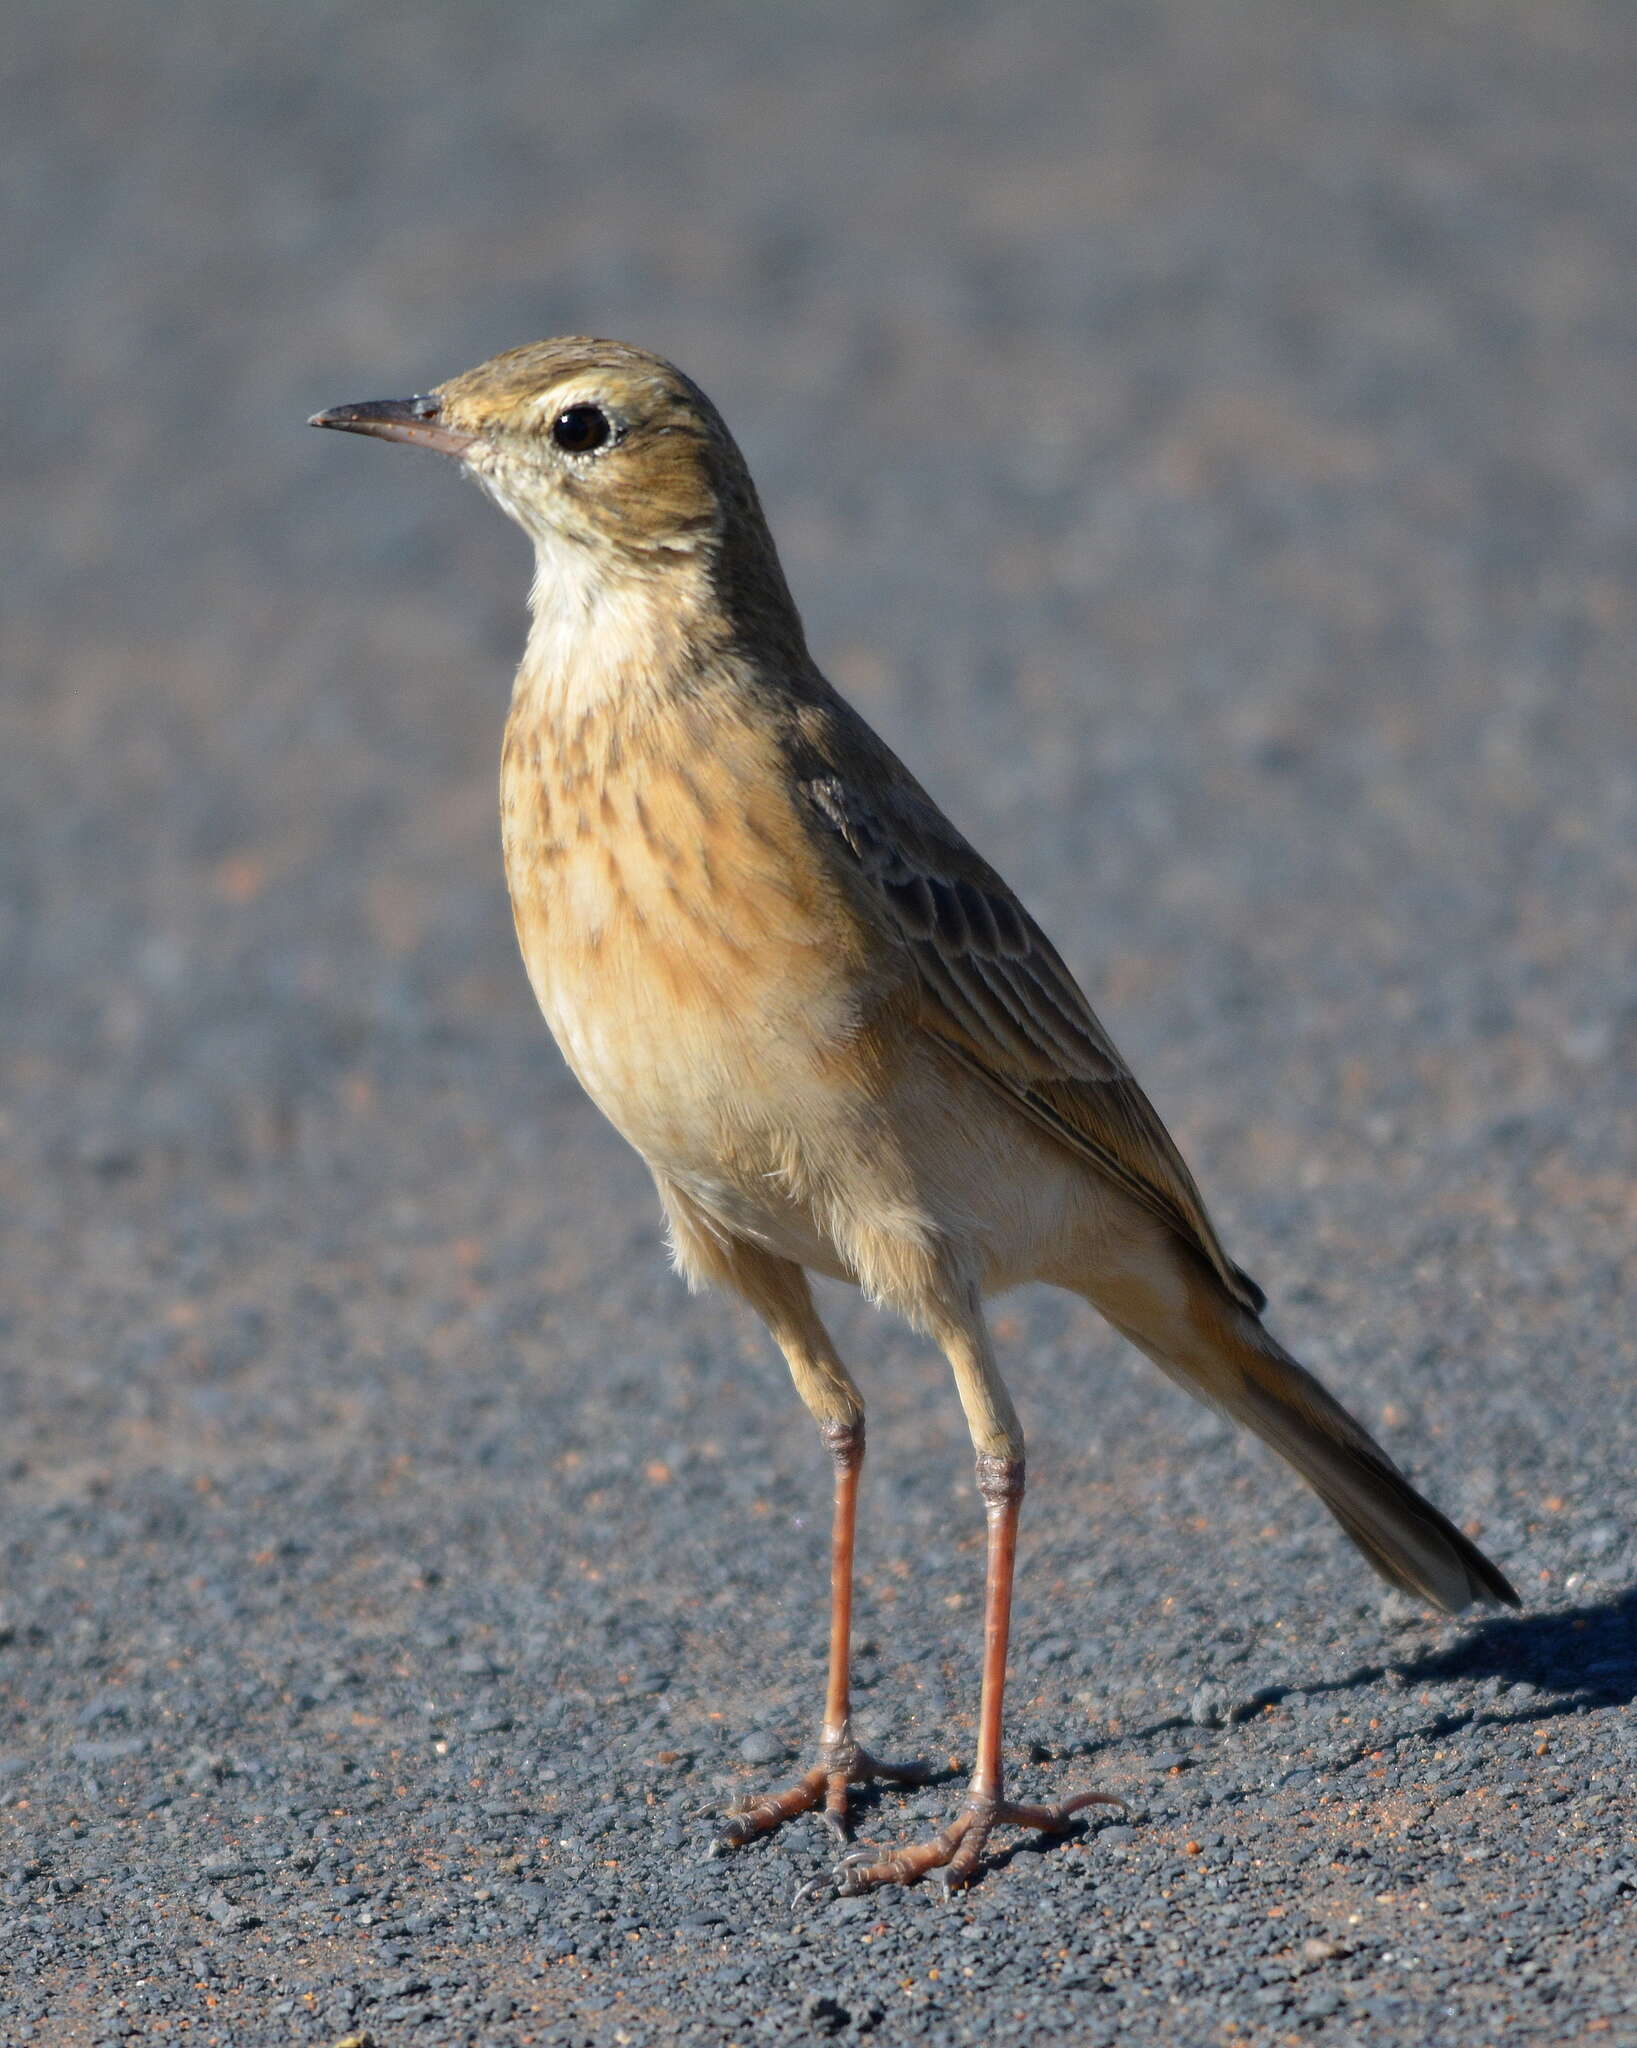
820,1887
955,1855
1084,1799
823,1790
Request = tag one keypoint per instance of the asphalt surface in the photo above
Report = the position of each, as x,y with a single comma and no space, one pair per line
1204,439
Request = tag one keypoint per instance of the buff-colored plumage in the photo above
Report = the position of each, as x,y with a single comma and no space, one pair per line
832,1031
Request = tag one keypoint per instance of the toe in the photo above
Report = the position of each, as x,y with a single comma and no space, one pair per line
815,1889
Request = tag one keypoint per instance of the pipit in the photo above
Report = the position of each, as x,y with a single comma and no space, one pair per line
837,1038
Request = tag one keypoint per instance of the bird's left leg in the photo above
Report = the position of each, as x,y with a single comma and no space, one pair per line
777,1289
997,1437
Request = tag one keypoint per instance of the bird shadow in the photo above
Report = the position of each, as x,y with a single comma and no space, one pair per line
1585,1655
1575,1658
1579,1657
874,1794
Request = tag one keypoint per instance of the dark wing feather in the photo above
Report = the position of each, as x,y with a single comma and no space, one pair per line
999,996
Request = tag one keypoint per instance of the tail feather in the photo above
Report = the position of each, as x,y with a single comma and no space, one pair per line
1232,1362
1409,1542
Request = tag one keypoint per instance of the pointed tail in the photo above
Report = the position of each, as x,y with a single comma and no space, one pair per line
1232,1362
1402,1534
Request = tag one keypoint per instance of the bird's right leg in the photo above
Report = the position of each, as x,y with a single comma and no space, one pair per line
826,1387
843,1759
777,1289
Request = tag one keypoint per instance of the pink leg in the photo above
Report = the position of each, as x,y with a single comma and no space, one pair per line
958,1849
842,1761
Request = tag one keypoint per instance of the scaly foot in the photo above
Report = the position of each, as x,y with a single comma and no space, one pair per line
958,1849
840,1764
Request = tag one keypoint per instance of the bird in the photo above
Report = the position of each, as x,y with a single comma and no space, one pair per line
834,1034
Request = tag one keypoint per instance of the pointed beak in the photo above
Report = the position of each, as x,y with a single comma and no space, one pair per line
415,420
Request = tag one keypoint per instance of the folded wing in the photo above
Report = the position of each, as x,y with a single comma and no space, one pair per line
996,992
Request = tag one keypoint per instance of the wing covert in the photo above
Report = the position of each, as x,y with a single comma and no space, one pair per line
997,993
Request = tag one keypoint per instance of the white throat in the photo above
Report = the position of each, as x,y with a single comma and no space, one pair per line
599,629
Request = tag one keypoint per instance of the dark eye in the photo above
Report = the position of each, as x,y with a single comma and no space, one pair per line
581,429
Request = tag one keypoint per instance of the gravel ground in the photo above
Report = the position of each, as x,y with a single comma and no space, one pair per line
1204,440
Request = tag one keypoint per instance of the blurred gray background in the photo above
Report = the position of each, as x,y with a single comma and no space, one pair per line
1203,438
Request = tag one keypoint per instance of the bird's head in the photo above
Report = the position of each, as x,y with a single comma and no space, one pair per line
585,443
623,475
